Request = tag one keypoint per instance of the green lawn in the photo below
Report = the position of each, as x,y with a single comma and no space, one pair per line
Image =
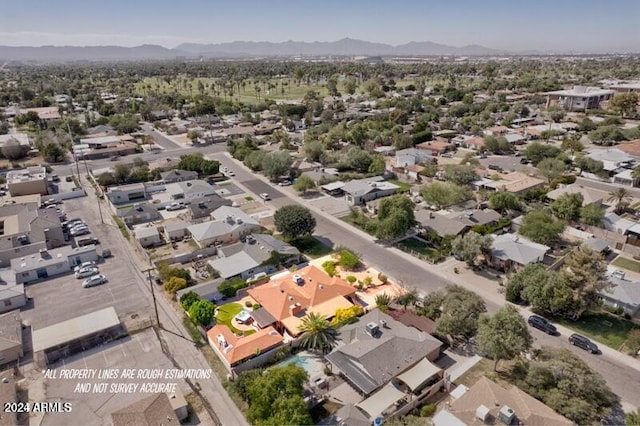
311,247
404,187
226,313
625,263
602,327
418,246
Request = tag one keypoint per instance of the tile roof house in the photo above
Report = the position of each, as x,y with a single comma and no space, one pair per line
232,349
486,402
259,253
514,182
228,226
438,146
514,251
289,297
150,411
173,176
377,348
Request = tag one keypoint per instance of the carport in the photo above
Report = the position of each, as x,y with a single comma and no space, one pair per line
377,403
420,375
75,335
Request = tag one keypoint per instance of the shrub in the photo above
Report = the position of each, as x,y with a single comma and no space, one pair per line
256,306
329,267
174,284
427,410
201,312
349,260
188,299
367,280
230,287
352,279
347,315
248,304
382,277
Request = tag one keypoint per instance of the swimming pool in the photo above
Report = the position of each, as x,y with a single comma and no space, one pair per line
311,363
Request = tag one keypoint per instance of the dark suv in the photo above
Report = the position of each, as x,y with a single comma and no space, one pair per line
584,343
540,323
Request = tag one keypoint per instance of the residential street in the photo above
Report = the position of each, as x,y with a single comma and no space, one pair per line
621,372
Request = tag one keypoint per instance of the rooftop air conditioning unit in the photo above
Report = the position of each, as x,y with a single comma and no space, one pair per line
506,415
372,329
482,413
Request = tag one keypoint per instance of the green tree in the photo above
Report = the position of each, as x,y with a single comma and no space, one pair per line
633,342
565,383
551,168
497,145
407,297
294,221
275,397
276,164
536,152
606,135
567,206
188,299
470,246
585,272
53,153
504,202
460,174
317,333
572,145
121,172
625,103
313,150
395,217
504,335
539,226
253,160
201,312
592,214
304,183
589,165
459,313
173,284
621,197
444,194
532,274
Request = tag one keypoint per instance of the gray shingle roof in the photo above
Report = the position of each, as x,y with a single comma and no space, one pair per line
517,249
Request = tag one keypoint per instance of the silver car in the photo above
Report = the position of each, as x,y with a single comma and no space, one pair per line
87,272
94,280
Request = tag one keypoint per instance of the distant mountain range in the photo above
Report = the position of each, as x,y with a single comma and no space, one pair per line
237,49
242,49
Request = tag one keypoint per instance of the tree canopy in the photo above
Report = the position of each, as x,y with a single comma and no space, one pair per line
395,217
536,152
294,221
539,226
444,194
455,312
470,246
503,335
504,201
276,164
567,206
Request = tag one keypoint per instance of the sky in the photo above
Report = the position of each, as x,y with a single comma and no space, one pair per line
517,25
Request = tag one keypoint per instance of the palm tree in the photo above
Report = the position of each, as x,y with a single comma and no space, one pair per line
317,334
621,197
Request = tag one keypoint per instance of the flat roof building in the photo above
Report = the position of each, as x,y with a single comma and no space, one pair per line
32,180
75,335
578,98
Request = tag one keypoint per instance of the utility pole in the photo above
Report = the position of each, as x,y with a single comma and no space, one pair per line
153,293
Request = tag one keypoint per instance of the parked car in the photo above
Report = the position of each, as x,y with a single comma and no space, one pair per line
73,222
78,227
285,183
94,280
447,155
87,241
68,179
175,206
80,231
106,253
114,158
84,265
583,343
494,167
87,272
540,323
265,196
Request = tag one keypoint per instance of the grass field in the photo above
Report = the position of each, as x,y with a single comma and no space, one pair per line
311,247
225,315
602,327
625,263
276,89
404,187
417,246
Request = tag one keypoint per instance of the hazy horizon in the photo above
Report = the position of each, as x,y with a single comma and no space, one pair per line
585,26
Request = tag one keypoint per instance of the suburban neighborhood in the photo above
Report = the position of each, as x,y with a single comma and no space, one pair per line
334,239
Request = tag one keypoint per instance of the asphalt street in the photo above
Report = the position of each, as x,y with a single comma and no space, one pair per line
413,273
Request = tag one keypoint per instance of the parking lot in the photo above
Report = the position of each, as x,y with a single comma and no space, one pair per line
62,297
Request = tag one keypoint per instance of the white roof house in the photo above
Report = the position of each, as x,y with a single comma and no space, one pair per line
21,138
612,158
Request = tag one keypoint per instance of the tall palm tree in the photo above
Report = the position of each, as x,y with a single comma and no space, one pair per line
317,333
621,197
